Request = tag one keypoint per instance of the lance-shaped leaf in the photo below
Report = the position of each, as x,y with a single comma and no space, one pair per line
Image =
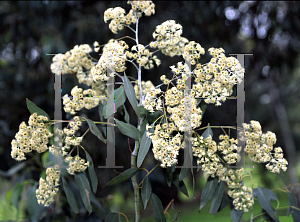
169,174
144,149
120,97
112,217
70,197
146,191
128,129
293,203
94,129
179,184
35,109
127,174
129,90
158,210
236,215
126,115
100,109
142,110
92,173
264,198
217,199
143,127
85,190
225,201
208,191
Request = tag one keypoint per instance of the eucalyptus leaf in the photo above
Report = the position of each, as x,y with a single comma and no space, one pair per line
293,203
264,198
217,198
93,176
128,129
144,149
127,174
126,115
130,93
179,184
85,190
146,191
158,210
94,129
208,191
70,197
35,109
208,132
236,215
120,97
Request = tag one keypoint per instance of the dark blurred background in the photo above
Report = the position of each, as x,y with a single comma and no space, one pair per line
267,29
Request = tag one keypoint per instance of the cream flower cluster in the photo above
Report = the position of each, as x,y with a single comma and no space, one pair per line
80,99
48,188
182,109
151,101
119,19
259,147
165,146
146,86
113,57
68,138
229,149
215,80
192,52
168,38
76,164
32,137
72,61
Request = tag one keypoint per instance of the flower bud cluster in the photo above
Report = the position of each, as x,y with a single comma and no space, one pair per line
215,80
76,164
32,137
168,38
143,56
192,52
228,147
259,147
66,138
242,198
48,188
165,146
72,61
119,19
80,99
146,86
113,57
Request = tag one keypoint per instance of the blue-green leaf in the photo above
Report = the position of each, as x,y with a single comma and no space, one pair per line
100,109
179,184
236,215
208,191
94,129
264,198
128,129
85,190
35,109
146,191
144,149
183,173
112,217
120,97
158,210
127,174
217,198
208,132
293,203
126,115
225,201
70,197
130,94
93,176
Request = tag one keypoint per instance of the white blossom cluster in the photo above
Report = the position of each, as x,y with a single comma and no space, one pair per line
66,138
168,38
165,146
113,57
146,86
192,52
151,101
80,99
119,19
76,164
72,61
48,188
259,147
32,137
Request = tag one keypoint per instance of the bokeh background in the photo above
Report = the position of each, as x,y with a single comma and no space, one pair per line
30,29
